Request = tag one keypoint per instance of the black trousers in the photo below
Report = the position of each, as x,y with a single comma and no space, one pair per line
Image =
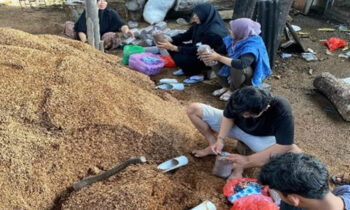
189,64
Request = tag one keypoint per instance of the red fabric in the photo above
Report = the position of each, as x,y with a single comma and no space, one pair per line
334,43
255,202
168,61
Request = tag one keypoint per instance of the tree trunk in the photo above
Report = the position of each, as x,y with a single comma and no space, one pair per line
337,91
92,14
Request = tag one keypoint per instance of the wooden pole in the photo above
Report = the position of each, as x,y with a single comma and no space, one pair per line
93,25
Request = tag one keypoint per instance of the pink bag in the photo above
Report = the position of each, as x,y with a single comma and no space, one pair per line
147,63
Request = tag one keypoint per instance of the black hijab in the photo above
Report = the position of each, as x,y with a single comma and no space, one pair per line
211,22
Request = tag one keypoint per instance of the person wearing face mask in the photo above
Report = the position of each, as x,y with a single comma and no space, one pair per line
247,61
110,23
261,121
209,29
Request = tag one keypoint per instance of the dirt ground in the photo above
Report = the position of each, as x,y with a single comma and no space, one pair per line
319,130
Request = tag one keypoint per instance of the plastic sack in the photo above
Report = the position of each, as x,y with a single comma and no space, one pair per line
255,202
334,43
129,50
238,188
168,61
146,63
156,10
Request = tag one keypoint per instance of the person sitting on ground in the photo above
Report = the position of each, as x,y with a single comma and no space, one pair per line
247,62
302,183
261,121
210,29
110,22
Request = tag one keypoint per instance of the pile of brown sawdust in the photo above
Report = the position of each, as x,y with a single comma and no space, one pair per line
66,108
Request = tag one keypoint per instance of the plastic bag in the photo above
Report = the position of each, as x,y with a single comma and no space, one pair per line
156,10
168,61
255,202
129,50
238,188
334,43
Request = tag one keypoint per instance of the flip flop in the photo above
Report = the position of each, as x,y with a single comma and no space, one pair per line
172,86
345,180
179,72
194,79
226,96
167,81
173,164
219,92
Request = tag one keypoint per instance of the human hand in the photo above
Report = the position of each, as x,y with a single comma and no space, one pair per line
238,160
217,147
209,57
130,33
165,45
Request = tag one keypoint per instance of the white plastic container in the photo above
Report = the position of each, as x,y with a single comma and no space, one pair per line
205,205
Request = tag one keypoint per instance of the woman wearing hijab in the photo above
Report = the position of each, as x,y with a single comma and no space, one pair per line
110,22
210,29
247,62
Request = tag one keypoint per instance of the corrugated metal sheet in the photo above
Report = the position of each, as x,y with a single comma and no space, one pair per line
272,15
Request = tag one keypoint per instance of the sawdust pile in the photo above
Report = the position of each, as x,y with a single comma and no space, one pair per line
66,108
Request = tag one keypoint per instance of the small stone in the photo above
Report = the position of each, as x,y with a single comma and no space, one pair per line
328,52
277,76
94,170
311,71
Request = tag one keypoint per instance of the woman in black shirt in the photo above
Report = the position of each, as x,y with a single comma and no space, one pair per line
209,28
110,22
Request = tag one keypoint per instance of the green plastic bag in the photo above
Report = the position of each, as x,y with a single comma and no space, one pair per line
129,50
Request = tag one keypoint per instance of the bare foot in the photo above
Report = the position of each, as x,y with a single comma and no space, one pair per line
236,174
203,152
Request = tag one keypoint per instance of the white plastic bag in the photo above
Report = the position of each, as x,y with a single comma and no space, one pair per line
156,10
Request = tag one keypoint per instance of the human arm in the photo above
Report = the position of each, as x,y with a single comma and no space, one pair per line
226,126
187,36
80,27
168,46
82,36
125,30
260,158
243,62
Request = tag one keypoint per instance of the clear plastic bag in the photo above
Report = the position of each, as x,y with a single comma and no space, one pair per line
203,48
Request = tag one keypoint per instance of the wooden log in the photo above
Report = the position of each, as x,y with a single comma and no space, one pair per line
337,91
90,180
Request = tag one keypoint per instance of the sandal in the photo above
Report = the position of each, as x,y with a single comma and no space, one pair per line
344,179
178,72
219,92
194,79
226,96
